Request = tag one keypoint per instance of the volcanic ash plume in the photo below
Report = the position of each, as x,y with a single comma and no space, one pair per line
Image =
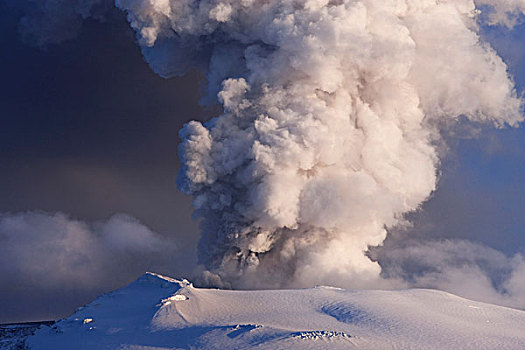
332,116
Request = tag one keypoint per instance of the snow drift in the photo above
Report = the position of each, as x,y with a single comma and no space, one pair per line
331,128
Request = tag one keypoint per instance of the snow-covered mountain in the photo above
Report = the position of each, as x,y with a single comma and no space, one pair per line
157,312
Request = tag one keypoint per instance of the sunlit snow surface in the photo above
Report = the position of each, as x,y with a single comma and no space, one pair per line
157,312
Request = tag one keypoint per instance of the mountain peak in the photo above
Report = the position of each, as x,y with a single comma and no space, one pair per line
160,280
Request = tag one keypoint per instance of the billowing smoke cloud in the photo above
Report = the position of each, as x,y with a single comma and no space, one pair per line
331,126
69,262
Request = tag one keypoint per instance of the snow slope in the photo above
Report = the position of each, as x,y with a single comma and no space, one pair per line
14,335
157,312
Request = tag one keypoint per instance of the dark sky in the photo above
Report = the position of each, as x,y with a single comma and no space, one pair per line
89,130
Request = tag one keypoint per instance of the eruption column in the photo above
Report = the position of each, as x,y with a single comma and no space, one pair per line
332,118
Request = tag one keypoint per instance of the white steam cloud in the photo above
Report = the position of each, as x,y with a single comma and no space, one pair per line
331,124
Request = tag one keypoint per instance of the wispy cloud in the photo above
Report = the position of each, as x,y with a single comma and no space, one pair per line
50,262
